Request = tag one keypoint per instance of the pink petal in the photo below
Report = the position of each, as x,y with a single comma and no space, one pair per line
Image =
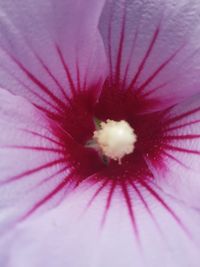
153,47
179,175
68,236
29,155
48,49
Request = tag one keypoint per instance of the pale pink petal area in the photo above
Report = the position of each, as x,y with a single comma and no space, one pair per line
153,48
178,173
72,236
50,49
31,160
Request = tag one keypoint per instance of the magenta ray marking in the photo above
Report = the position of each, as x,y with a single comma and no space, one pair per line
108,202
182,125
179,149
38,83
120,49
130,57
159,70
146,56
167,194
51,75
78,77
30,89
32,171
85,78
43,136
145,204
33,148
163,203
141,197
182,137
66,134
181,116
44,100
47,69
98,191
110,45
69,77
44,200
50,114
151,91
130,208
93,179
175,159
49,178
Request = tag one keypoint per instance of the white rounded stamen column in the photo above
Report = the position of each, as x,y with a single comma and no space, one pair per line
115,139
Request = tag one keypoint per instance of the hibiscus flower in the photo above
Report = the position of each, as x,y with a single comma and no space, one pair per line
100,130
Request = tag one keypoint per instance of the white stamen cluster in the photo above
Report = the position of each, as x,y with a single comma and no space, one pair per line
115,139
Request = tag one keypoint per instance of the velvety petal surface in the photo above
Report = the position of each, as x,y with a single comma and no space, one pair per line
72,236
49,49
31,160
153,48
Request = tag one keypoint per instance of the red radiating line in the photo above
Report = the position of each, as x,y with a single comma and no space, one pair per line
130,208
38,83
69,77
50,114
175,159
40,60
179,149
49,178
85,78
52,76
158,70
110,45
184,62
32,171
130,57
43,136
174,198
182,137
44,200
30,89
181,116
146,56
108,202
56,108
162,202
97,192
140,196
150,92
145,204
32,148
78,76
45,101
86,179
182,125
120,49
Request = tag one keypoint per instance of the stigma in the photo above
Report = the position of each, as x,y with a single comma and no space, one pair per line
115,139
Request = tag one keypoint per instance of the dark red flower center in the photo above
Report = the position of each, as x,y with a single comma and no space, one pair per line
115,103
